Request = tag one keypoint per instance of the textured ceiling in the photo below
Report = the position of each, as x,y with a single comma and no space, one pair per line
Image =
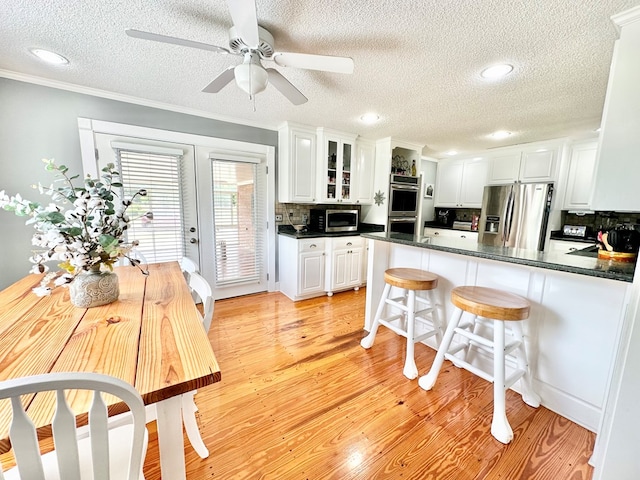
416,62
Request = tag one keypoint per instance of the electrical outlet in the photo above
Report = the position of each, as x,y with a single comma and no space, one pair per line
305,217
278,217
291,214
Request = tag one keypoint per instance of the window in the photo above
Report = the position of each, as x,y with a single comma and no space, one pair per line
157,219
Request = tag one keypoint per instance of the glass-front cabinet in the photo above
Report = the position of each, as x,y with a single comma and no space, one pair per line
336,153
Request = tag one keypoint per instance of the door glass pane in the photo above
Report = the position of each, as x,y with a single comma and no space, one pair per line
237,209
346,171
156,219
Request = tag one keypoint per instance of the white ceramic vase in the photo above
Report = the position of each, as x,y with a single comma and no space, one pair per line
93,288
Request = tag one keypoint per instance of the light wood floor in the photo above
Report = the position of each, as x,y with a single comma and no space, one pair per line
300,399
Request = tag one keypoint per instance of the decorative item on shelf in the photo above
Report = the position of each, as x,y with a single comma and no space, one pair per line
414,172
83,237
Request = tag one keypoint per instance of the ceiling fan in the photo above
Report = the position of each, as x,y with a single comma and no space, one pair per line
254,44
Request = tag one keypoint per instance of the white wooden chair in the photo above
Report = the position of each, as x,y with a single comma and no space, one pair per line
106,453
188,267
201,287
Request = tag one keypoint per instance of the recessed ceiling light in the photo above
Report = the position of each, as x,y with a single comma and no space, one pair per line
370,118
49,57
452,152
500,134
496,71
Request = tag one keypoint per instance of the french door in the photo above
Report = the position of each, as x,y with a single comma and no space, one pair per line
208,199
232,197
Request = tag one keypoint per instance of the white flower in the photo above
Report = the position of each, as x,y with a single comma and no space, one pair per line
42,291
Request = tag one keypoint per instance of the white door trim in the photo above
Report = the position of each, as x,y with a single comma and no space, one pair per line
88,127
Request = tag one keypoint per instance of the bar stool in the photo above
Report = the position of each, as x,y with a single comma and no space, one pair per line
497,307
409,280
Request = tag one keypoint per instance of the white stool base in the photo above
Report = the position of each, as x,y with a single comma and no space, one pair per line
500,427
407,305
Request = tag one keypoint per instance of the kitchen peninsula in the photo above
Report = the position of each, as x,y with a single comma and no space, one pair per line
578,304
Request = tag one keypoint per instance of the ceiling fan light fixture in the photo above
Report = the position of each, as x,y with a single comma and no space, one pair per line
49,57
250,75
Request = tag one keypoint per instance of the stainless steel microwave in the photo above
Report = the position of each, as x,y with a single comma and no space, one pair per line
333,220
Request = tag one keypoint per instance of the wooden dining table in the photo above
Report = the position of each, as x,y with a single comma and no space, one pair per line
151,337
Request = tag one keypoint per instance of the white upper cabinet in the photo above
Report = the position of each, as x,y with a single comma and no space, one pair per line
618,168
580,178
460,183
530,165
336,173
364,171
297,164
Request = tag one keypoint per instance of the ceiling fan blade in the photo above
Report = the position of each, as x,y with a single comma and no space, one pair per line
307,61
285,87
245,19
156,37
220,81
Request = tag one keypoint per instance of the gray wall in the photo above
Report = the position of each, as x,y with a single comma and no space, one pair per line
40,122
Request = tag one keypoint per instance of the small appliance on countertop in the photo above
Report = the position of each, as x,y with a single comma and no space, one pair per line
575,231
445,217
461,225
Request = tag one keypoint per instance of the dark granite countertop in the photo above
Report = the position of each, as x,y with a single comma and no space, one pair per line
562,262
289,231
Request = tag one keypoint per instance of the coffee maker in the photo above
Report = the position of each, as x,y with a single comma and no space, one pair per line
445,216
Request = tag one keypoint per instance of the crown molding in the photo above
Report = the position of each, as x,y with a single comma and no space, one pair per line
46,82
623,19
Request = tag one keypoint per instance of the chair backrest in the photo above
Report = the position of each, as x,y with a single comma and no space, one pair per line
199,285
24,441
188,266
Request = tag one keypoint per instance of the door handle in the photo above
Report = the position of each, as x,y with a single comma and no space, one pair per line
193,240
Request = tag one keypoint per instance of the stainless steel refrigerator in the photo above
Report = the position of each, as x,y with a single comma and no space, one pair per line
515,215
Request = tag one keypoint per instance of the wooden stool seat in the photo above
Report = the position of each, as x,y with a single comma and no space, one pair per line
498,307
408,280
411,278
491,303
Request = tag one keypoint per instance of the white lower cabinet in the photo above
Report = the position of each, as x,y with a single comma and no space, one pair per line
311,267
344,266
302,267
566,246
445,232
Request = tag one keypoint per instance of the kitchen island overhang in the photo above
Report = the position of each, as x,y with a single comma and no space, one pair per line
576,319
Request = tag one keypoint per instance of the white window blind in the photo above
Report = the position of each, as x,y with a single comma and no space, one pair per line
157,219
238,202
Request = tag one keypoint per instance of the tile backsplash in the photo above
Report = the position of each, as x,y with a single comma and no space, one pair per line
600,220
300,211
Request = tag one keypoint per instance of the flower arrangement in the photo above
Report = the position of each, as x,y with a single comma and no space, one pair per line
82,237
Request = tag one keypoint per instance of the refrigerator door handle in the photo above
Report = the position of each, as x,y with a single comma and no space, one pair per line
508,221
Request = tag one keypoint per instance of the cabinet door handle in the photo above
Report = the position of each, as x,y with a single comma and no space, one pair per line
463,236
573,249
349,244
313,245
436,233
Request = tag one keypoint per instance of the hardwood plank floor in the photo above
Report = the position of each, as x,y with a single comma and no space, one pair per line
300,399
